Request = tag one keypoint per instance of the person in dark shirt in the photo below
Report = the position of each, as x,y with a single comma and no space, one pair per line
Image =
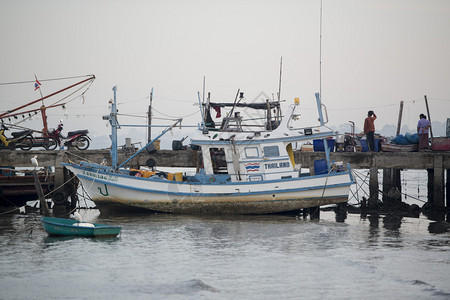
369,129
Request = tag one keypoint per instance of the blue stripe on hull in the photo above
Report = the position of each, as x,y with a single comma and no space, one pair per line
197,194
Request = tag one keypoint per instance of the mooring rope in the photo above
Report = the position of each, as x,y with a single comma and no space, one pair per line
80,157
384,193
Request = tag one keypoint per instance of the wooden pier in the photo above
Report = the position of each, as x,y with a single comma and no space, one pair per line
436,163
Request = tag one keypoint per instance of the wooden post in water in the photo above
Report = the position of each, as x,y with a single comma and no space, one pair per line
373,185
314,213
430,185
447,189
391,181
438,186
44,208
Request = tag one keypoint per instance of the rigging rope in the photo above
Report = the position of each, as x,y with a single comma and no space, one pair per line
43,80
175,117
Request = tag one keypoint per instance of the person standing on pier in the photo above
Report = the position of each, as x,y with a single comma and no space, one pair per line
369,129
422,129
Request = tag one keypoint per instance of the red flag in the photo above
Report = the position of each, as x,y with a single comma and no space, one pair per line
36,84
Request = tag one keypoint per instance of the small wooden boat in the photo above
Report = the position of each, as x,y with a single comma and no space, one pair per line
386,147
68,227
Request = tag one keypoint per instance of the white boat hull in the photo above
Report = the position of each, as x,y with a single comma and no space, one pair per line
112,191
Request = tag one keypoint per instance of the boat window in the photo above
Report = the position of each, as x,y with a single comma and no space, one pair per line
271,151
218,161
251,152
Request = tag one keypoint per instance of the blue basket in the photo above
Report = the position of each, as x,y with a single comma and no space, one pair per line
318,145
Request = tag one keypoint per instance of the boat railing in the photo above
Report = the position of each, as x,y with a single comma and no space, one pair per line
239,124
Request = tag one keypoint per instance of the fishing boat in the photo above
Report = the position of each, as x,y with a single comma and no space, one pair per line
68,227
244,168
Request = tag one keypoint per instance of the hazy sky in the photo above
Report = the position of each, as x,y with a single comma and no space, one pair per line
374,55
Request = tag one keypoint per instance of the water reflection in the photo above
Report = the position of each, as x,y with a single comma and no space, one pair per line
439,227
392,223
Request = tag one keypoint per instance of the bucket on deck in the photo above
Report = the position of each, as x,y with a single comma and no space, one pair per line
320,166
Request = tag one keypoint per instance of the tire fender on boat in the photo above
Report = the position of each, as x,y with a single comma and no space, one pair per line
212,179
59,198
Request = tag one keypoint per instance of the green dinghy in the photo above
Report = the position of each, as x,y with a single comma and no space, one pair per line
68,227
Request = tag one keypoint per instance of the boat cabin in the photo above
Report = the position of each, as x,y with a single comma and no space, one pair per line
236,153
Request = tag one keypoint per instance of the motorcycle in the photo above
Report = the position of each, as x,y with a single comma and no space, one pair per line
78,139
20,139
47,142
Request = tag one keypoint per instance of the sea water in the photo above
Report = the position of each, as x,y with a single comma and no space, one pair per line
165,256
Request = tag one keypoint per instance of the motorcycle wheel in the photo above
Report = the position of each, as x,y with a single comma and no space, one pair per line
82,143
26,144
50,144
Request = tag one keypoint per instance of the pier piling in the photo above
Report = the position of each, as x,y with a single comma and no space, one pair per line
43,204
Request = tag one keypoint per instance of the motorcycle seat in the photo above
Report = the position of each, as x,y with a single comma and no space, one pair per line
21,133
72,133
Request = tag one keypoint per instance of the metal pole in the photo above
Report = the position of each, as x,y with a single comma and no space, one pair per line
279,85
320,52
113,122
325,141
149,136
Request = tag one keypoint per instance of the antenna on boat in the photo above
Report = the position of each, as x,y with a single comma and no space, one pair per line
320,52
203,90
204,129
149,135
279,84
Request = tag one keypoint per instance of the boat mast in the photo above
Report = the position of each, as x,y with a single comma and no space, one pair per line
10,113
151,142
279,84
114,125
